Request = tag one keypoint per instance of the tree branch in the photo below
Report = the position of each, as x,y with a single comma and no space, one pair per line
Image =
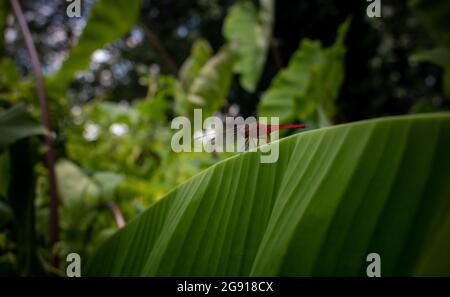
156,43
45,118
276,53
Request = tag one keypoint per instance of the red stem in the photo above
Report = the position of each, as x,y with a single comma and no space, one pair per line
271,128
156,43
45,118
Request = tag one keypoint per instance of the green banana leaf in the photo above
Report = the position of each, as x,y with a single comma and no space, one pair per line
334,196
311,81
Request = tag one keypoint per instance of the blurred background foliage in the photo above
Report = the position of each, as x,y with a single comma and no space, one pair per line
117,76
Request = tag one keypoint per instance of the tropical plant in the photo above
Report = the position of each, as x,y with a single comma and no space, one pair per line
334,196
131,206
307,88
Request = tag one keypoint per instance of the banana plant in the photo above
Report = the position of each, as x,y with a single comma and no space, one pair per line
335,196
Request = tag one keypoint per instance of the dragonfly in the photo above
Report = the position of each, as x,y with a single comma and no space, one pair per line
249,132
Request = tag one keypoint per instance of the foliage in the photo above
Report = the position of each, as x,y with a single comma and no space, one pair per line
4,8
247,32
210,87
17,209
13,88
307,88
106,23
334,196
200,53
113,146
16,123
251,31
436,16
439,56
139,168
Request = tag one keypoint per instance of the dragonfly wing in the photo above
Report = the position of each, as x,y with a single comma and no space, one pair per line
216,136
233,133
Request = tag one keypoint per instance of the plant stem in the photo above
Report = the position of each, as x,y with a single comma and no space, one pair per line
45,118
156,43
117,214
